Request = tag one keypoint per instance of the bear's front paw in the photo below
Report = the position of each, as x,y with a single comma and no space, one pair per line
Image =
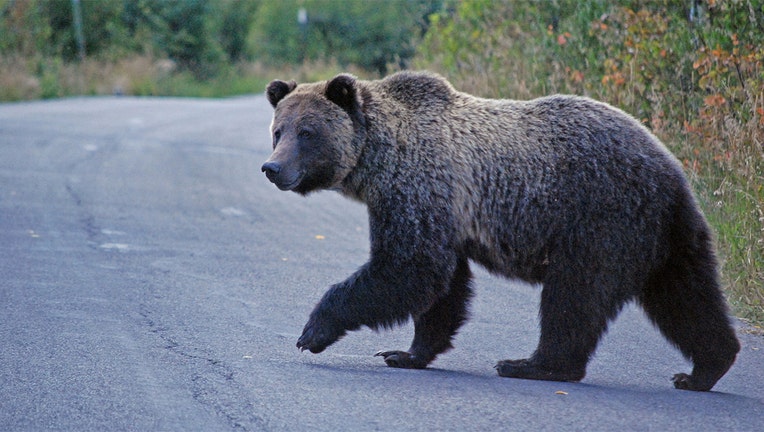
402,359
316,336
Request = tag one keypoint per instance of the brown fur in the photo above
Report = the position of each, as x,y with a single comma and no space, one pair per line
563,191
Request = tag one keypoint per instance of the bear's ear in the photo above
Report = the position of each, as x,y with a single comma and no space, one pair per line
342,91
277,90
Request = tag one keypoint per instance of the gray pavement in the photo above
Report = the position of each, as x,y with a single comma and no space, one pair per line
151,278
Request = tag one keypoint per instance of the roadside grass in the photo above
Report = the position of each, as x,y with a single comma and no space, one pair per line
733,199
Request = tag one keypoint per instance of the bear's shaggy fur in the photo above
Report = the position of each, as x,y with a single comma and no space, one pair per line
563,191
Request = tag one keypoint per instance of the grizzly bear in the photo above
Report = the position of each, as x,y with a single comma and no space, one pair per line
561,191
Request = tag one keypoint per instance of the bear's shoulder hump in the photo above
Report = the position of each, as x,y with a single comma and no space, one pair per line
418,87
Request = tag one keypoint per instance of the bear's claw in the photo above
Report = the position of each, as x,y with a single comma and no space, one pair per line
306,342
401,359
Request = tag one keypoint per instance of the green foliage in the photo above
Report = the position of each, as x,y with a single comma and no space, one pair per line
275,35
478,41
25,30
101,26
206,37
368,34
235,26
180,29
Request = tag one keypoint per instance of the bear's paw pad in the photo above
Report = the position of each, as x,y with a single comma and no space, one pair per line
401,359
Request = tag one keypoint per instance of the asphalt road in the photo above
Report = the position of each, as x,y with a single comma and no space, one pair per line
151,278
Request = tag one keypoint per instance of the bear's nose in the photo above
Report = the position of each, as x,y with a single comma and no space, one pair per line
271,168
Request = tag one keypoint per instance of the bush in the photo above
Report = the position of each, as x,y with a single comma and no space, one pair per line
180,29
101,27
369,34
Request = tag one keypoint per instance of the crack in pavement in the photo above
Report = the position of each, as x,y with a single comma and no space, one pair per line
212,381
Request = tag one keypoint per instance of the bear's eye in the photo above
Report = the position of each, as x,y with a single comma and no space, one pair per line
304,134
276,135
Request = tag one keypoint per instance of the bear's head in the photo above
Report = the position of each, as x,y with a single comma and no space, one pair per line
317,133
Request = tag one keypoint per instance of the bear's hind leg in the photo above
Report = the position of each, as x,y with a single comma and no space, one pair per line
574,312
684,300
688,308
434,329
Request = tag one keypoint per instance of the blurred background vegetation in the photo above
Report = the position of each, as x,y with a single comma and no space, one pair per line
691,70
199,47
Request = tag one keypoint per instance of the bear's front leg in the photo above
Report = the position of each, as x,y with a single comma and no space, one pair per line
435,328
365,298
384,293
414,271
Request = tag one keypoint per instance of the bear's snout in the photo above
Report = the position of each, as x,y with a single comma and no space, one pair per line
283,177
271,169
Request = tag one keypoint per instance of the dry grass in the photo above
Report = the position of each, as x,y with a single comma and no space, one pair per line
35,78
15,81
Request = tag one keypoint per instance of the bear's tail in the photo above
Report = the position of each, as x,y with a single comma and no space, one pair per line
684,299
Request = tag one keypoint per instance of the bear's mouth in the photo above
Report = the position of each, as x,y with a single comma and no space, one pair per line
285,183
288,187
